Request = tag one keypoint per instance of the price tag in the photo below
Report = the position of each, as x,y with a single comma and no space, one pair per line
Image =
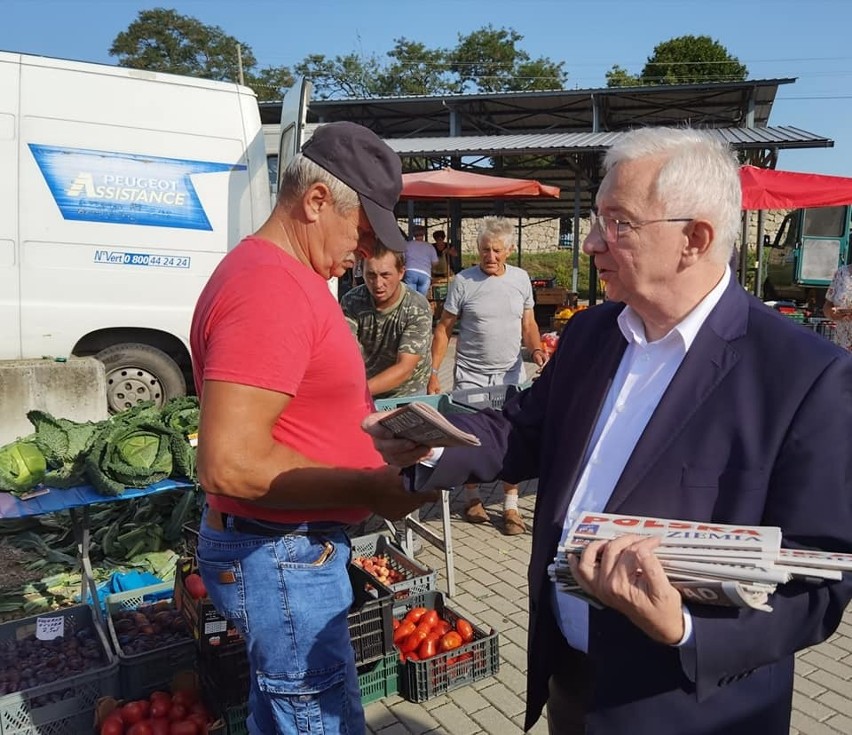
49,628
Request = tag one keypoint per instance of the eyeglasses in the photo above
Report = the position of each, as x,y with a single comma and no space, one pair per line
610,228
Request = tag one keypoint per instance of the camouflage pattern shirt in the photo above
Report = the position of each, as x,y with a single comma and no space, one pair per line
404,327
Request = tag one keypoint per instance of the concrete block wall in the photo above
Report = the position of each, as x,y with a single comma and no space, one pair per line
75,389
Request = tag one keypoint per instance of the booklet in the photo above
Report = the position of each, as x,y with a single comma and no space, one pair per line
423,424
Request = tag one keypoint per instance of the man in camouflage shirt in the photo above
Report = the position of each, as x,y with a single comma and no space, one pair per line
393,325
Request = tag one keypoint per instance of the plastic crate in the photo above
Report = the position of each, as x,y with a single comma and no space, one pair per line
379,679
492,396
66,706
479,659
232,720
142,673
418,578
370,618
225,673
440,401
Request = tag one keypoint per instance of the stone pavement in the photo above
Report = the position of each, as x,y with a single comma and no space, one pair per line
492,589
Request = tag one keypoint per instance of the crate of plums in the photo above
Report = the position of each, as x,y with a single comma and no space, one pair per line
53,669
150,637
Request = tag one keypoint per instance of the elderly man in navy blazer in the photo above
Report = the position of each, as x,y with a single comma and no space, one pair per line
681,397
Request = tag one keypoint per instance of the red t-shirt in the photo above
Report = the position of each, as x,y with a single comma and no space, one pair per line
265,320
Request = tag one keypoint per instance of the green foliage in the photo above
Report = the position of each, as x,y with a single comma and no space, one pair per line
490,60
692,60
618,77
417,69
351,75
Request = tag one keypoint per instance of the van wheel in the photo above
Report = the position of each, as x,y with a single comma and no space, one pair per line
137,373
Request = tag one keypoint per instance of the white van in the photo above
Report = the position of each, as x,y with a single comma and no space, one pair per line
120,191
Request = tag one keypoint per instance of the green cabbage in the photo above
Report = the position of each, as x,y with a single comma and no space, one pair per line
22,467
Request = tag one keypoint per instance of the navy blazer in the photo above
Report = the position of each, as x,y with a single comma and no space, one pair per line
754,428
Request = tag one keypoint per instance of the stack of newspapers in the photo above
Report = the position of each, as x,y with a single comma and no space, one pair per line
709,563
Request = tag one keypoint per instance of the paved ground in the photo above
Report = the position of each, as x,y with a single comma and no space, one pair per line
492,588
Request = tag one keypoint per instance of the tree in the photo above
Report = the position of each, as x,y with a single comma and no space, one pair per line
351,75
692,60
163,40
618,77
490,60
416,69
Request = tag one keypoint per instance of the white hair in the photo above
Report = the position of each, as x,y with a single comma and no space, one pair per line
496,228
302,173
700,177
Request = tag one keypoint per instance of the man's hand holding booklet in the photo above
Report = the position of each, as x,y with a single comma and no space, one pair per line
422,424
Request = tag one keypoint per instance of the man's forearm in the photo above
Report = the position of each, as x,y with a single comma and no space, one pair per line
388,379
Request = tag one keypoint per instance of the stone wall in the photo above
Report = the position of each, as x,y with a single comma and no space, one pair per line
542,235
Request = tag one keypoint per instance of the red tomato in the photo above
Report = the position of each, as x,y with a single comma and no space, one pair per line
395,623
430,618
427,649
195,586
161,726
141,728
161,707
414,615
413,656
184,727
113,725
464,629
449,642
443,626
200,722
134,712
403,631
186,697
412,643
160,695
178,712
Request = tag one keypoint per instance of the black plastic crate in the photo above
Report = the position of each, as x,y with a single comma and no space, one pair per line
478,659
225,673
67,705
370,618
145,672
418,578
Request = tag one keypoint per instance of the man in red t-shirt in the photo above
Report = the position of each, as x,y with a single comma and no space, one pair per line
281,456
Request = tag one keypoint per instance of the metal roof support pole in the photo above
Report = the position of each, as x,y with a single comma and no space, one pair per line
758,264
744,250
520,237
575,240
454,208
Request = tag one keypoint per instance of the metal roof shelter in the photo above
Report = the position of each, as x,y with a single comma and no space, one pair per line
558,137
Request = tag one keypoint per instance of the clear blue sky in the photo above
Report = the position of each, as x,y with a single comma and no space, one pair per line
806,39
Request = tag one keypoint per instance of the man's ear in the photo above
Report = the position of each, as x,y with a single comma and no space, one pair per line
701,235
315,199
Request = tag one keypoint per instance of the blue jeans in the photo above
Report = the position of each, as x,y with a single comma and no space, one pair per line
418,280
289,596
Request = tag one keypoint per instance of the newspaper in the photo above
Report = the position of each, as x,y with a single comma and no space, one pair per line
422,424
708,563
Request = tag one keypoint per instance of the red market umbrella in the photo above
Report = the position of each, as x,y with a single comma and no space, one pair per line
447,183
766,188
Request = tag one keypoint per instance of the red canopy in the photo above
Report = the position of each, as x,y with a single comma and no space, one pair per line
447,183
765,188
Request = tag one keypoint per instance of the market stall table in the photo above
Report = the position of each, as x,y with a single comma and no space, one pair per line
76,500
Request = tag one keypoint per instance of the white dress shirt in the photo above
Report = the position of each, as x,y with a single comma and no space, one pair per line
644,374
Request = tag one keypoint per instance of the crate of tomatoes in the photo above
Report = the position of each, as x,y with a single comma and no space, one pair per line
377,555
441,650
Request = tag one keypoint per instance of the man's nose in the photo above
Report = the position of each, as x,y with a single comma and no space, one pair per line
594,243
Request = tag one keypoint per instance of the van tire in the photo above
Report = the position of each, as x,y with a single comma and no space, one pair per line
138,372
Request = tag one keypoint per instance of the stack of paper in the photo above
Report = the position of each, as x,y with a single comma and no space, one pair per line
709,563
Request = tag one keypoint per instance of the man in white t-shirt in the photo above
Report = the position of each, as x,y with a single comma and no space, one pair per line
493,305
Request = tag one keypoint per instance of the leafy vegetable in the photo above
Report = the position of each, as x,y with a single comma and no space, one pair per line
22,467
64,444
